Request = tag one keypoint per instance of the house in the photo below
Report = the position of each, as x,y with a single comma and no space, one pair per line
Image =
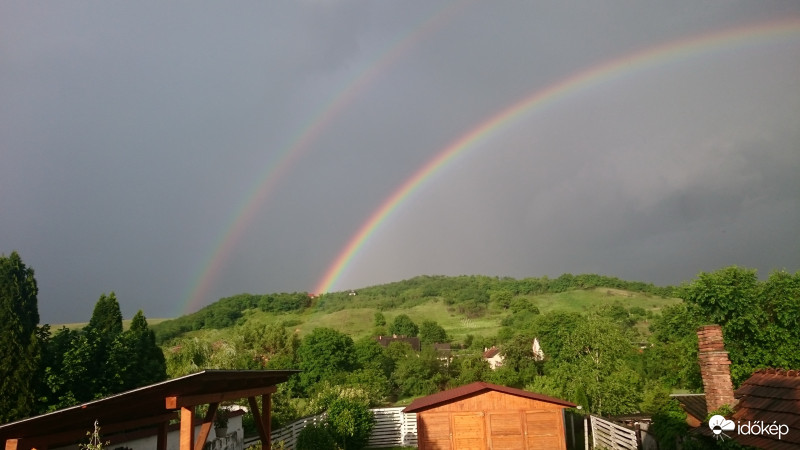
695,407
482,415
413,341
152,408
493,357
769,398
538,353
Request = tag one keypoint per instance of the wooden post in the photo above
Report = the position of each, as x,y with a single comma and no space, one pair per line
266,417
262,433
161,439
187,428
205,428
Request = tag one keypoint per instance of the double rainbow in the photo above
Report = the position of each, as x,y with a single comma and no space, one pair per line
756,34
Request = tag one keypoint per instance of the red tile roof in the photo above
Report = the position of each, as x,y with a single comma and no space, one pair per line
477,388
490,353
770,396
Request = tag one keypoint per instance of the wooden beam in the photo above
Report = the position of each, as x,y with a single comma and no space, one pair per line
187,429
262,433
174,402
205,429
64,438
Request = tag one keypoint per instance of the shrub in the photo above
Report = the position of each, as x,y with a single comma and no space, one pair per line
315,437
350,422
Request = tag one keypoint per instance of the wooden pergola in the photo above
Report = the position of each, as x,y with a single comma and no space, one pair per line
153,407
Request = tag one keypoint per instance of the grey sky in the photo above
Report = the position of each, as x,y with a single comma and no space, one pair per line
131,134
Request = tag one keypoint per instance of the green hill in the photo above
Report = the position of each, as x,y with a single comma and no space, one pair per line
463,305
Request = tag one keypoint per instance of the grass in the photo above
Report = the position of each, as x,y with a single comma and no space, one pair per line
126,323
360,322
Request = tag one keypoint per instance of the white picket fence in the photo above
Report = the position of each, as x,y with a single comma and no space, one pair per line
392,428
608,435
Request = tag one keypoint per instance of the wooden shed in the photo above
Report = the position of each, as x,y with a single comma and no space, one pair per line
488,416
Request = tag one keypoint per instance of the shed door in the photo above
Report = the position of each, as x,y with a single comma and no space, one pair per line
505,430
544,430
434,432
468,431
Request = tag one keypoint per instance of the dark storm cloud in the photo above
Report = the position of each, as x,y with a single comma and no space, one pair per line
132,134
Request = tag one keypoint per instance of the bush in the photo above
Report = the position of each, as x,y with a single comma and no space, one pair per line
315,437
350,423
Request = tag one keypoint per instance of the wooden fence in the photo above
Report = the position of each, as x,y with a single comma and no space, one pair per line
392,429
608,435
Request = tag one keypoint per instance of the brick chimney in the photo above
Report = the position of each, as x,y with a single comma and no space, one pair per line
714,367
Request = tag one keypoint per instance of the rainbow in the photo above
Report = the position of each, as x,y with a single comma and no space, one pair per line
541,99
245,213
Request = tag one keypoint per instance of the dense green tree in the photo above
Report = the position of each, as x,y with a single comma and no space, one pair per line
502,298
324,353
671,357
521,304
315,437
135,357
107,316
20,349
350,423
271,345
470,368
431,332
594,365
758,319
104,328
370,355
422,374
402,325
380,320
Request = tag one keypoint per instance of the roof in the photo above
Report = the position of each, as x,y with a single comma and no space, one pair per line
144,406
478,387
413,341
770,396
693,404
490,353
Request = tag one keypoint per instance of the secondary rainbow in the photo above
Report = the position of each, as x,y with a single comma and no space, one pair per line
275,171
629,64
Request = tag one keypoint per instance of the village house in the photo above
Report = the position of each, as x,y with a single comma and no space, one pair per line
493,357
413,341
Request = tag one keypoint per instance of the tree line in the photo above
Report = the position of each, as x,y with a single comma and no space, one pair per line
42,370
611,359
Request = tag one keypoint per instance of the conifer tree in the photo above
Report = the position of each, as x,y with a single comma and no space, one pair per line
19,345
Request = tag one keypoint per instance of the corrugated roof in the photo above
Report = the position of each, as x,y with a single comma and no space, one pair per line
478,387
693,404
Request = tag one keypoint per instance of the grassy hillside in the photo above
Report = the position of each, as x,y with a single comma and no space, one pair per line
126,323
462,305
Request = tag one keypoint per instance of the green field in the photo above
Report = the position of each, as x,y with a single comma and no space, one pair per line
126,323
358,322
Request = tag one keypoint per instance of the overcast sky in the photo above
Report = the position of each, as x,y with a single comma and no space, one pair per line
133,136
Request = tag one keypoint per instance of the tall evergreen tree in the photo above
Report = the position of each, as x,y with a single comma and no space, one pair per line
134,358
103,329
19,345
106,317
